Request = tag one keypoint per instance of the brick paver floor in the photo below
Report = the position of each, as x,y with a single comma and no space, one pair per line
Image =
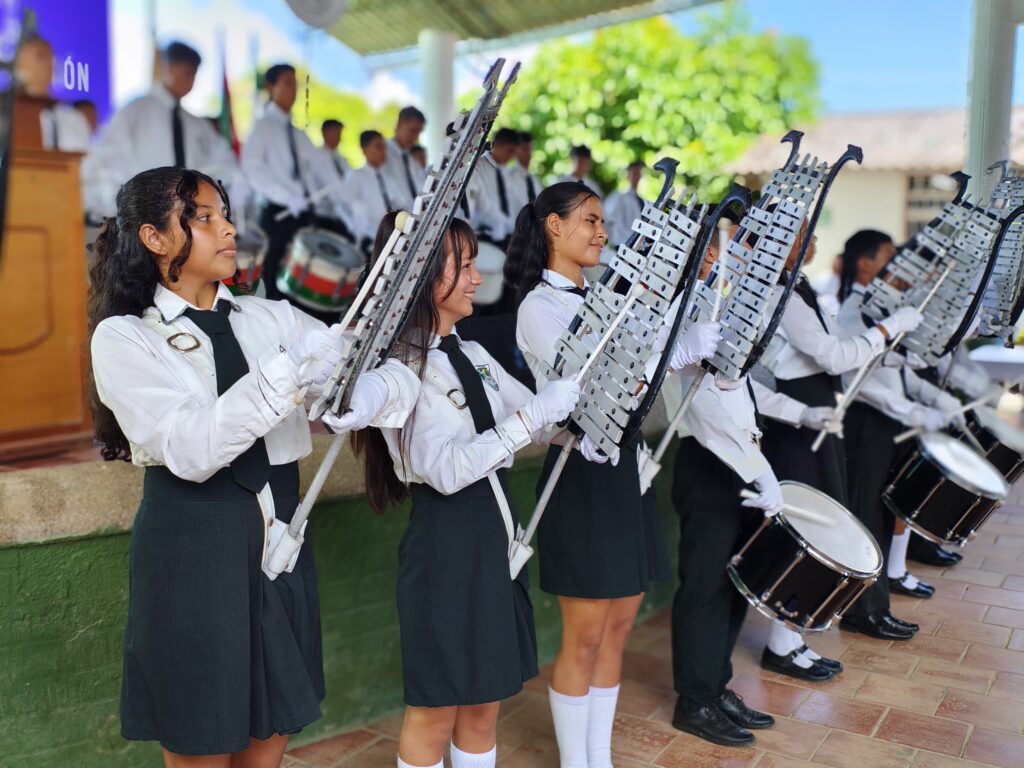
953,697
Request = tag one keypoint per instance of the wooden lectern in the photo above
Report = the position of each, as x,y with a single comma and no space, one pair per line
42,298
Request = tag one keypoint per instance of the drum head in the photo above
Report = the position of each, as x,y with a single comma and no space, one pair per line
964,465
330,246
847,544
1007,434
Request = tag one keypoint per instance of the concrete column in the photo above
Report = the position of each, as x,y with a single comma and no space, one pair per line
437,57
989,90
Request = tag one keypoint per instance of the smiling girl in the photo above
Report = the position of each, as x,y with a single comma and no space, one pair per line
205,390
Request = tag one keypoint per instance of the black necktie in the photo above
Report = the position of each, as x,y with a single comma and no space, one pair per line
502,193
338,166
758,418
581,292
251,469
408,175
296,173
179,136
804,290
531,190
472,385
383,190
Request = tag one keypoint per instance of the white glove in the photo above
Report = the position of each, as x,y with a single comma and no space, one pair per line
893,360
903,320
769,497
590,450
817,417
296,204
698,343
928,419
314,355
369,397
834,426
552,404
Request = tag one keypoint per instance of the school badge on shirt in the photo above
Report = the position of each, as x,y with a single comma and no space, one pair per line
485,374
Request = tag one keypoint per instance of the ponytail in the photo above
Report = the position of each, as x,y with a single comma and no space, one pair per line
861,245
527,254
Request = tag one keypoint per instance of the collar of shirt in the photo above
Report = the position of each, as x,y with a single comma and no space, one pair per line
171,305
163,96
274,112
558,280
393,146
435,340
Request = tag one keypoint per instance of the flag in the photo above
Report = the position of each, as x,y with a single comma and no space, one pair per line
226,119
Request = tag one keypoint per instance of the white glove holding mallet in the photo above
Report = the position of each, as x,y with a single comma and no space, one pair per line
314,354
698,343
818,417
903,320
769,497
369,397
591,452
552,404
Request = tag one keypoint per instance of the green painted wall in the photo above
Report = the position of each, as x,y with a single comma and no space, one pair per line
62,607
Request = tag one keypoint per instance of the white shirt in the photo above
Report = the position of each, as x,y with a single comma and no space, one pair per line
267,159
543,316
169,410
586,180
398,160
139,137
67,125
519,186
365,191
439,441
488,215
826,285
804,347
336,171
620,209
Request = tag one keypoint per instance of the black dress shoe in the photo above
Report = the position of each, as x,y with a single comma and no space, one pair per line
876,625
921,590
732,704
923,551
900,622
711,724
833,665
786,665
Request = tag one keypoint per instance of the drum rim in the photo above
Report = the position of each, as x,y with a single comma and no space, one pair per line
983,414
814,552
761,607
962,482
919,529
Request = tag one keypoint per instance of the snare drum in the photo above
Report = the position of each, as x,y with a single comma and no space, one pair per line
250,251
803,572
490,263
945,490
320,270
1003,443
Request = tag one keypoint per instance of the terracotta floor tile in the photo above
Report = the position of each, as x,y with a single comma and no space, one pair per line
641,699
331,751
690,752
839,712
1017,641
539,752
1004,598
380,754
995,747
982,711
882,661
647,668
973,632
983,657
932,760
923,731
947,587
1014,582
641,739
938,672
1011,543
390,726
1005,617
946,607
997,564
929,622
846,683
933,647
791,737
847,750
1007,685
905,694
771,760
293,762
768,696
974,576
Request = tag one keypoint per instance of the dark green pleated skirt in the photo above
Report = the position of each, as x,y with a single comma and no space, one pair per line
467,628
214,652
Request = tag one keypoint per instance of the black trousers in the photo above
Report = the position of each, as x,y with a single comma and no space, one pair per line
870,455
279,234
707,611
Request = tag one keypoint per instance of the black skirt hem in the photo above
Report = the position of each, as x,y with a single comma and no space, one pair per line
468,700
594,594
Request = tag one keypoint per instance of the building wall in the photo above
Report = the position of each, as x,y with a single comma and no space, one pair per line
63,603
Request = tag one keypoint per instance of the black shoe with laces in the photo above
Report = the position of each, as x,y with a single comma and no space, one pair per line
711,724
732,704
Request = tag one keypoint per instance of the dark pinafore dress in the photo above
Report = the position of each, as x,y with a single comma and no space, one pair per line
467,629
215,652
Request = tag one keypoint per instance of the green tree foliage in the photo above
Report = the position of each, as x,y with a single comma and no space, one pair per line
644,90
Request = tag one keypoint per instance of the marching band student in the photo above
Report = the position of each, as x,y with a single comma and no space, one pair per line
624,207
807,360
204,389
337,208
600,541
331,133
493,214
582,163
405,173
525,186
370,188
154,131
467,633
885,405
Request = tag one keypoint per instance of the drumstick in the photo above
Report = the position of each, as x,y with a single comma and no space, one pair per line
904,436
798,512
870,365
313,198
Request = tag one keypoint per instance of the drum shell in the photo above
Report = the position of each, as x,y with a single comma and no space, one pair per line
1004,458
781,576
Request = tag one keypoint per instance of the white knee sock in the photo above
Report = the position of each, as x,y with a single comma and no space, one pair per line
898,559
599,726
782,641
571,714
462,759
403,764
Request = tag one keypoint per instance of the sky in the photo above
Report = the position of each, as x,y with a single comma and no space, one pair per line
873,54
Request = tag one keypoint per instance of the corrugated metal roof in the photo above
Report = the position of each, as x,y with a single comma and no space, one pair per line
373,26
928,140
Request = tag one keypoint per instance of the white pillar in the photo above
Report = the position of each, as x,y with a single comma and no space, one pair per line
437,57
989,90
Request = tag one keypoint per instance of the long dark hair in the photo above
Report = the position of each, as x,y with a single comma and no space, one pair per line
383,488
528,251
862,244
125,274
